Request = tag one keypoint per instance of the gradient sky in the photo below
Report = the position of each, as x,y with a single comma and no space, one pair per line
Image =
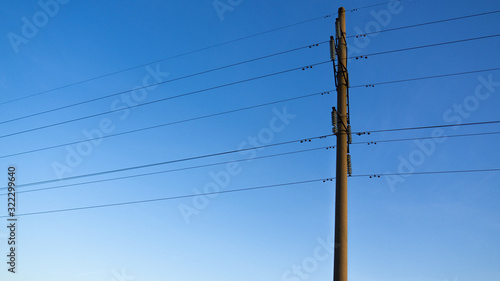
417,227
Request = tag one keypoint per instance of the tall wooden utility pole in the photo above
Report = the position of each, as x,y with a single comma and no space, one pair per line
342,130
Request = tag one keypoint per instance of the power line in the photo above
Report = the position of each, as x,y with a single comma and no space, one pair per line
169,58
243,38
246,80
425,23
166,124
221,44
162,82
171,170
288,142
426,77
166,198
234,151
243,62
247,189
167,162
164,99
242,160
427,127
423,138
370,6
424,46
428,173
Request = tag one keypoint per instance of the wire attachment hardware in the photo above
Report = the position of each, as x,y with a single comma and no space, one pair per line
349,135
335,121
349,165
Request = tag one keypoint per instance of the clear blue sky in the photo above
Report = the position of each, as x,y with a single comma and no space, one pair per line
416,227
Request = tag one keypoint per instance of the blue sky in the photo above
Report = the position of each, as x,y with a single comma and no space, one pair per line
416,227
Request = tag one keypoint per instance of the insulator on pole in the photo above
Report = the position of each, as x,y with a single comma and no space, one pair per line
334,116
337,28
332,48
335,128
349,135
349,165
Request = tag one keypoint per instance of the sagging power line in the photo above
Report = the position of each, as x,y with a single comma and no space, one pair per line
160,83
309,66
240,63
365,56
170,161
427,127
424,78
323,180
173,170
167,124
167,58
170,198
254,158
425,23
246,80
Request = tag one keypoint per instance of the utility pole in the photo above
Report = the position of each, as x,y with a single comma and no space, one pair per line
342,130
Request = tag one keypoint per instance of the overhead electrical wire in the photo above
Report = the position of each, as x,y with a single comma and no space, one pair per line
239,63
246,80
423,46
428,127
168,198
168,162
432,137
477,123
282,184
425,23
243,38
247,189
269,145
429,173
165,99
370,6
424,78
170,170
243,160
207,116
166,124
168,58
259,58
159,83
